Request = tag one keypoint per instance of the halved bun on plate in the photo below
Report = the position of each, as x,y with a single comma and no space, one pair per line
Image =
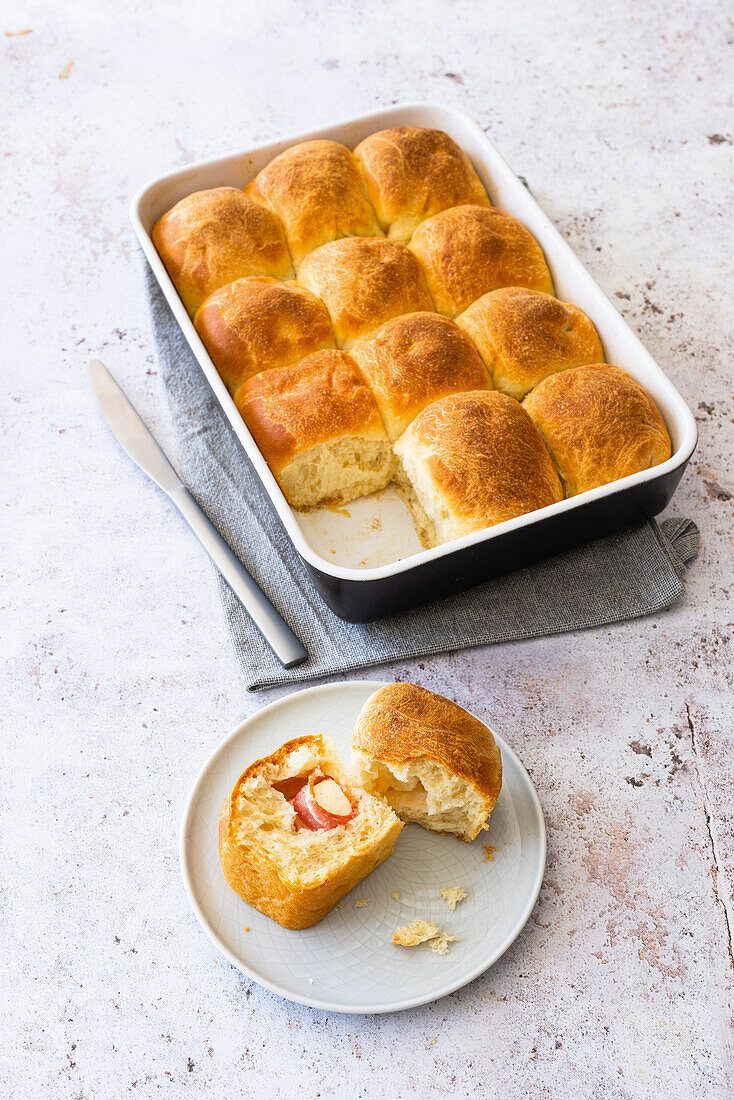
434,763
292,850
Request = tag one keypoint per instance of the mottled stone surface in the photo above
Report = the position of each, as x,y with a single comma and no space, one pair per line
119,679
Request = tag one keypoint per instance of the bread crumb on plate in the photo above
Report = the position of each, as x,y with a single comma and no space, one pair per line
360,903
423,931
395,894
440,944
418,931
452,895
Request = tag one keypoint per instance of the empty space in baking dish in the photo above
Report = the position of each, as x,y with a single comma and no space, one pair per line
376,532
365,533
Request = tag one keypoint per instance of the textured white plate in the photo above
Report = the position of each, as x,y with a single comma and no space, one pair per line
347,962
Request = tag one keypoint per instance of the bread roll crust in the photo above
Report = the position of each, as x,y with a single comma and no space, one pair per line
298,892
412,173
524,336
469,250
297,412
364,283
401,722
210,238
316,190
256,324
472,461
413,360
599,425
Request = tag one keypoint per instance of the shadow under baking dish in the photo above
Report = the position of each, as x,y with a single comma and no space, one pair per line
368,563
347,962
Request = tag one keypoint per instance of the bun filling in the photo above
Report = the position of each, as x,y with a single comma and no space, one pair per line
317,800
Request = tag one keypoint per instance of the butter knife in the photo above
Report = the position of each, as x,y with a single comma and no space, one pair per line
135,438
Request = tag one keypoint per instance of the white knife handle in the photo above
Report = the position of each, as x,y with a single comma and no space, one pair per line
269,622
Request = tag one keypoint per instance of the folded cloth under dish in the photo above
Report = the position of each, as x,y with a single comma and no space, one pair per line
633,573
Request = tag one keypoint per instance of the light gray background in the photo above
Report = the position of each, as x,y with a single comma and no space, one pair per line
119,677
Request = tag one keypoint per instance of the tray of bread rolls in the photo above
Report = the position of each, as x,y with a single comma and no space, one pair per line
430,386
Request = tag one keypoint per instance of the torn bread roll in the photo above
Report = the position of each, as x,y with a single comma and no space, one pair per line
433,762
471,461
211,238
412,173
319,430
296,834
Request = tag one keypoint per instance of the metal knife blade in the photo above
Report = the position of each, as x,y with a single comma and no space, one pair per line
130,430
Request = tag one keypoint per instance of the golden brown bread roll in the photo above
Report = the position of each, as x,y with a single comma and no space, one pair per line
256,324
213,237
471,461
413,360
296,874
319,430
364,282
599,425
467,251
411,173
524,335
316,190
434,763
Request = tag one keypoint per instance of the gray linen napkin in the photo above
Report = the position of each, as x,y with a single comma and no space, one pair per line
624,576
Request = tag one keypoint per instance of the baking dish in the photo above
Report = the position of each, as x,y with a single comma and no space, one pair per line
366,560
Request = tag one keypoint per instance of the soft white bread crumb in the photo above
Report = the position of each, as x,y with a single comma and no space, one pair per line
361,903
395,894
425,792
440,944
452,895
422,931
418,931
414,486
337,471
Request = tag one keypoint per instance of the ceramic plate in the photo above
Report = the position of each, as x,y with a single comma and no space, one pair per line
347,962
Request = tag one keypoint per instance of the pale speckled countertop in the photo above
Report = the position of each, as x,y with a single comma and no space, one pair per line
119,677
